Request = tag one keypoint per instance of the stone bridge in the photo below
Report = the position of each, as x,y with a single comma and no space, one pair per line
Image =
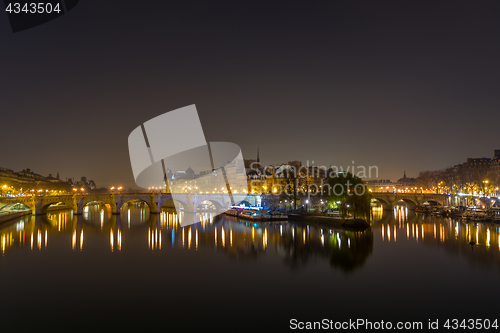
115,201
412,200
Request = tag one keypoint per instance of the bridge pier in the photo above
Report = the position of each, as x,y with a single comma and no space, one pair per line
388,205
116,203
155,206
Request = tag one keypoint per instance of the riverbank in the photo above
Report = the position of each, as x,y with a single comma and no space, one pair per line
354,224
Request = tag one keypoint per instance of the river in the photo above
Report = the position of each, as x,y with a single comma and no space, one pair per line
137,269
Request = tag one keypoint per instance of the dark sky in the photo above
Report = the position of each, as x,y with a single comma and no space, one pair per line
400,85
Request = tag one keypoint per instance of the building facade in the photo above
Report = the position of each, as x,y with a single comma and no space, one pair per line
28,182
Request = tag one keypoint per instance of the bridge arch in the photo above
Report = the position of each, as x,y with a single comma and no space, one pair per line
43,208
86,205
181,204
108,206
168,204
385,204
177,205
208,205
139,201
15,206
410,204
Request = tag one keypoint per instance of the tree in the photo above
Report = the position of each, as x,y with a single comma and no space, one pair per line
349,193
292,188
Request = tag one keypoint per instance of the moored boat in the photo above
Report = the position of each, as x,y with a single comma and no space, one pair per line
256,214
232,212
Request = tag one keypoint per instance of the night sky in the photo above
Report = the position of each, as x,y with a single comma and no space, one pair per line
403,86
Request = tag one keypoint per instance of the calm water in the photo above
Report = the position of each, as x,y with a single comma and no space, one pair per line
98,270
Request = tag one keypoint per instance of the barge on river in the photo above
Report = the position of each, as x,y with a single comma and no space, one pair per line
255,214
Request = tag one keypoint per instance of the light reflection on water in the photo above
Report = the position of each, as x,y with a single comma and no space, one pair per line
443,230
155,268
240,239
479,243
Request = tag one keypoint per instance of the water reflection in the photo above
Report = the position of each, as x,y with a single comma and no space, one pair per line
296,244
479,243
350,250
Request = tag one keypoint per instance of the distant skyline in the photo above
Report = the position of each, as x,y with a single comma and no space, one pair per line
363,169
402,86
